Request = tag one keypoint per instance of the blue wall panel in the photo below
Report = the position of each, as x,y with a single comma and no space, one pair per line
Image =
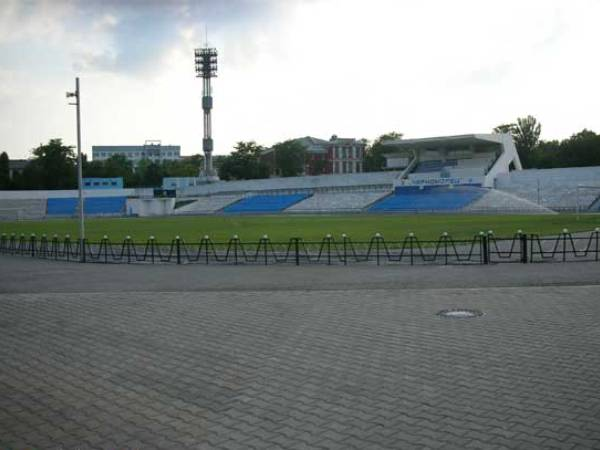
91,205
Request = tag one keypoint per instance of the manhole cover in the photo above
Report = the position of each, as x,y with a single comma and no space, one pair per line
460,313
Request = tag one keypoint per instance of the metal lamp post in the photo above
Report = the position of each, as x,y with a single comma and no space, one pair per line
77,103
206,68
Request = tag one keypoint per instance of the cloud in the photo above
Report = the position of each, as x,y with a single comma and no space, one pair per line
295,67
118,36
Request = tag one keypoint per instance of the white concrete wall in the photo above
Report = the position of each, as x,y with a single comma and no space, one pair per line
502,164
45,194
147,207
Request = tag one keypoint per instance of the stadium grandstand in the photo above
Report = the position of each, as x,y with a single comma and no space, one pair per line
476,173
565,189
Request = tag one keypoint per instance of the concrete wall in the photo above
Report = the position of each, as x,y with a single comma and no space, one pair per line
147,207
501,166
45,194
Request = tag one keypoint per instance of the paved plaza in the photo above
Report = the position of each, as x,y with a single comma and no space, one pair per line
312,357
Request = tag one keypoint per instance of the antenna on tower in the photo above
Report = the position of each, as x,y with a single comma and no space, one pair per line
206,36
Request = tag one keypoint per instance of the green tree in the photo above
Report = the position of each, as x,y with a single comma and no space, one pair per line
290,157
320,166
53,167
186,167
244,163
120,166
217,161
581,149
374,160
149,173
94,169
527,133
4,171
545,155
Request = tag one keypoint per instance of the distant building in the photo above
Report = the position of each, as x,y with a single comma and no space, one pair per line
103,183
346,155
152,150
335,156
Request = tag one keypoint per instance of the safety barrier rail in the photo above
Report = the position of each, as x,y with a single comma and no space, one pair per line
483,248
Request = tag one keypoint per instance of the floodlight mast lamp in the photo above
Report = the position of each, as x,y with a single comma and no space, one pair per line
79,170
206,68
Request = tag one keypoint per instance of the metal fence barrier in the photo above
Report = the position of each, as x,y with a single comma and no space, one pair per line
483,248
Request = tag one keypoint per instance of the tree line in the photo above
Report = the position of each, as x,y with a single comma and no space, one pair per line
54,165
251,161
580,150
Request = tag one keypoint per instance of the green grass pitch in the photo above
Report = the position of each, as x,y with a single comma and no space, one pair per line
309,227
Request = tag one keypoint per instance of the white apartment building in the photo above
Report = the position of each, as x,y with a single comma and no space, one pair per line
152,150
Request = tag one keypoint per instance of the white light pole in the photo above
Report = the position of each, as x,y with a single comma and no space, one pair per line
79,171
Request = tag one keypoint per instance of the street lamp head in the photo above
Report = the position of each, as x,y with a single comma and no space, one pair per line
71,94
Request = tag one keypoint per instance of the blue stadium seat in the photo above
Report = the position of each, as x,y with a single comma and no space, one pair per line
265,203
414,198
92,206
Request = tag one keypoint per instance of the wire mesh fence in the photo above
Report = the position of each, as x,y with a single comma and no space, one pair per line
482,248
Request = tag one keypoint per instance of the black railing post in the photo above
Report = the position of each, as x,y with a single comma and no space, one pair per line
265,240
523,240
597,232
43,249
55,246
328,238
235,249
206,240
152,249
178,249
411,238
32,242
344,240
445,239
377,238
486,249
104,246
565,233
67,246
128,248
297,250
82,249
481,249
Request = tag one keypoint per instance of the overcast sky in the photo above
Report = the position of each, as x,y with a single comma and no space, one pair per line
291,68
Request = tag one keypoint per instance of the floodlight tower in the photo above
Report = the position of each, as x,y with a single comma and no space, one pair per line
206,68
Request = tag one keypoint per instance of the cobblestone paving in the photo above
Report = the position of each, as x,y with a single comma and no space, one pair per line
303,369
